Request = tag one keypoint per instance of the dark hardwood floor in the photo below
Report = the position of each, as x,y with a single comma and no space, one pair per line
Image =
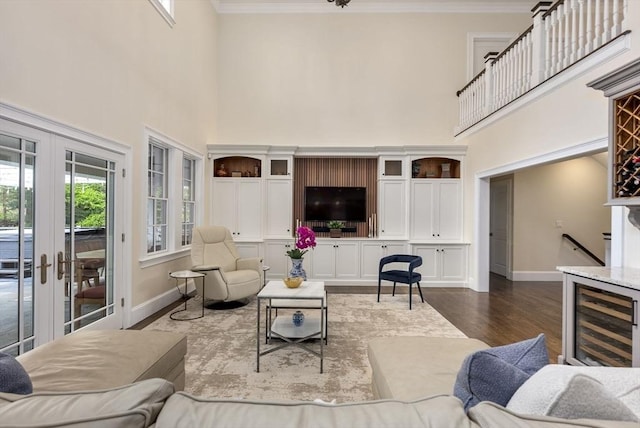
509,312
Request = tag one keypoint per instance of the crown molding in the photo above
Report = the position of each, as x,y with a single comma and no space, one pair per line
392,6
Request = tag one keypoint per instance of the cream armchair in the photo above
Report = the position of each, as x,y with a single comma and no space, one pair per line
229,278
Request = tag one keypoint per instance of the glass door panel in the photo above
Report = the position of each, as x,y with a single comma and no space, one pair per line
88,254
17,162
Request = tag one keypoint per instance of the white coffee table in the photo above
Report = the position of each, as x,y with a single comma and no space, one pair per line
283,327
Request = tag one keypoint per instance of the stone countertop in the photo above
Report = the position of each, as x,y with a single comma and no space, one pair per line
623,276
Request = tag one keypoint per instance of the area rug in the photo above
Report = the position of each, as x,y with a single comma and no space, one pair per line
221,349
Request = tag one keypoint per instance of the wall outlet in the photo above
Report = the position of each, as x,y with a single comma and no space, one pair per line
559,224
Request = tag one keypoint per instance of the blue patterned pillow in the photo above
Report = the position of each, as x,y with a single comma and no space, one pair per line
13,377
495,374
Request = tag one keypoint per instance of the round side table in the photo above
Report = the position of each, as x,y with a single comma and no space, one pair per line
186,275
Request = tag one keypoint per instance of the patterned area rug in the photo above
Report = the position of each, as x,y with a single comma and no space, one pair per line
221,352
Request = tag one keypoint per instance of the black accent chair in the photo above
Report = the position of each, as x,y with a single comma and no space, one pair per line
403,276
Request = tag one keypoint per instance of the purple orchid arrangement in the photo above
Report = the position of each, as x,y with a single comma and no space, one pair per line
305,239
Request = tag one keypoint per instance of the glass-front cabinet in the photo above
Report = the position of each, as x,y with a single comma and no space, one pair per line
391,167
279,167
600,323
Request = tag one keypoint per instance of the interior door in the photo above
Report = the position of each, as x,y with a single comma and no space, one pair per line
500,239
55,192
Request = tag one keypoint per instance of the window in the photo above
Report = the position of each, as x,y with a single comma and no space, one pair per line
165,8
174,176
157,201
188,199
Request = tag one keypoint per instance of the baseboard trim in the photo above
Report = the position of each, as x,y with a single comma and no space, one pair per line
150,307
539,276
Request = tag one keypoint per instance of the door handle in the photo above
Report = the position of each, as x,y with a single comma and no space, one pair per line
43,268
61,262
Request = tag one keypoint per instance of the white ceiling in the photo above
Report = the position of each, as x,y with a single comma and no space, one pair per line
375,6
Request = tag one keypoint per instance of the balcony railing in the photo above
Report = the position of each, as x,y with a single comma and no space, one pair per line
560,36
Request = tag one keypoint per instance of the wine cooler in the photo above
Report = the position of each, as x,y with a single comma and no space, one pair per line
600,323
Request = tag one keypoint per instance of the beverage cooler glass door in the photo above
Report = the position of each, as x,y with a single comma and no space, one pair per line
604,323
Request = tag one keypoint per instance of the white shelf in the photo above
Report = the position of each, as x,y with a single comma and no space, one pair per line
283,326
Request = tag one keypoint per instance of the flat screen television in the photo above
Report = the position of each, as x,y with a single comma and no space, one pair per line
335,203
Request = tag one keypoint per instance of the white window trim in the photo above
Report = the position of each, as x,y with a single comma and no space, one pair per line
196,200
166,14
177,151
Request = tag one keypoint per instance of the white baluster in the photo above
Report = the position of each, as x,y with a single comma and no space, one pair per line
530,62
625,14
581,30
597,29
574,31
588,47
548,33
554,43
566,19
509,76
517,69
606,25
616,28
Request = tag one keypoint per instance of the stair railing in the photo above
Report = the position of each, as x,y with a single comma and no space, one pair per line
583,248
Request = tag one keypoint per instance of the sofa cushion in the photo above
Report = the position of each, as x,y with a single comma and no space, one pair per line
492,415
408,368
184,410
135,405
98,359
495,374
13,377
572,393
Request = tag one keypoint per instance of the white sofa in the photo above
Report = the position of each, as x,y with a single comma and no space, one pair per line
428,363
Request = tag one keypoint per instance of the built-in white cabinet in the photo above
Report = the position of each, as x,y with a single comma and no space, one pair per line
392,217
279,209
335,259
443,264
275,256
436,209
248,249
417,210
235,204
373,251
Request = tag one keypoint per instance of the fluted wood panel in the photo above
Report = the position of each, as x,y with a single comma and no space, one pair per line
355,172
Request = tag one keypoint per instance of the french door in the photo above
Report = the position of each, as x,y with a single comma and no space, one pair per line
59,205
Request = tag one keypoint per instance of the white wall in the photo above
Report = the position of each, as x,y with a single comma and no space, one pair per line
345,79
110,68
572,192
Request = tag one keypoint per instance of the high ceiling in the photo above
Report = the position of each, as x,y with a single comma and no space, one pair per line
410,6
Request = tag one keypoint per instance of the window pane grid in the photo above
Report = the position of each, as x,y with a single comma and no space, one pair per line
157,201
188,199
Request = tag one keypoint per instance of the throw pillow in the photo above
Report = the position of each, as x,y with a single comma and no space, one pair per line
568,392
13,377
495,374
